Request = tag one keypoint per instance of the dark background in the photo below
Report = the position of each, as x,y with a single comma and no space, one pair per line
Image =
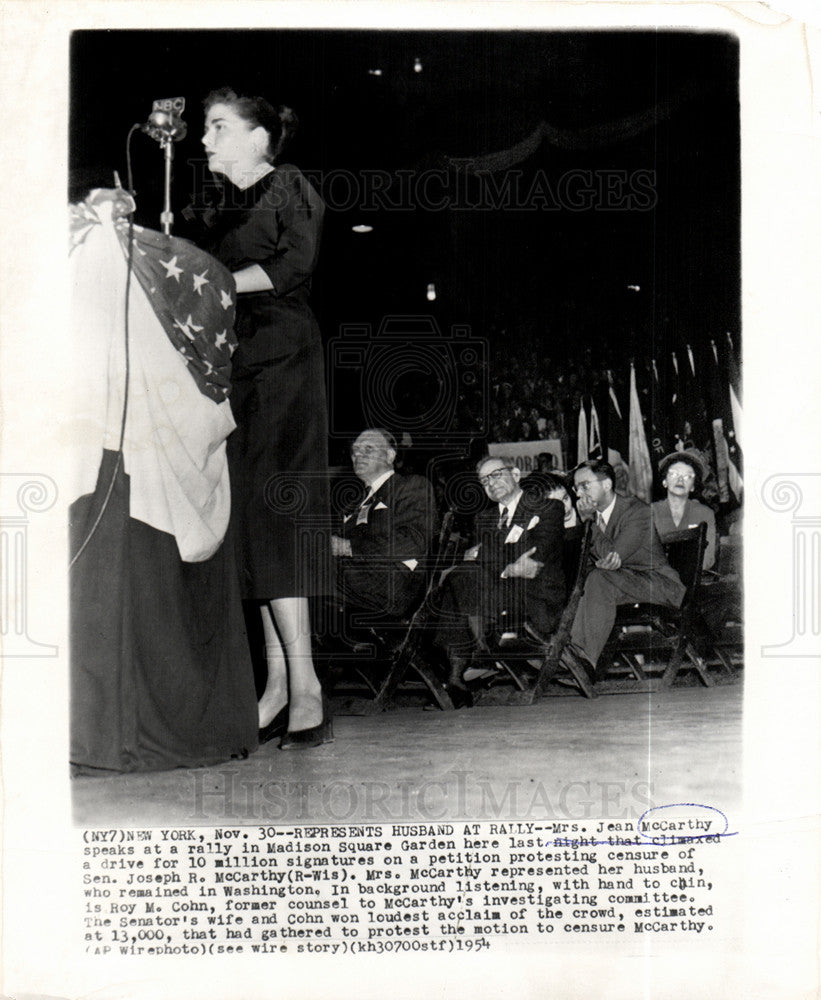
524,275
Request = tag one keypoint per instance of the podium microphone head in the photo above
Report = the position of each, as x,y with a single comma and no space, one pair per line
165,121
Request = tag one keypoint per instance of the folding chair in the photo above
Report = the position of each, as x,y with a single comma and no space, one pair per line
647,630
720,614
531,653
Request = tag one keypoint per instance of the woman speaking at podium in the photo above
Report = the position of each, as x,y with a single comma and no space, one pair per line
266,231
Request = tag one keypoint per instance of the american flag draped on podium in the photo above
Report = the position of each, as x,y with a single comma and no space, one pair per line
174,353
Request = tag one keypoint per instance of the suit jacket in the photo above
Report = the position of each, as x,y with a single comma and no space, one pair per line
631,532
536,522
694,514
393,529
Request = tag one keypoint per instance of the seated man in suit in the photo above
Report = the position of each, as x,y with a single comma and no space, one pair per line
629,564
512,576
382,538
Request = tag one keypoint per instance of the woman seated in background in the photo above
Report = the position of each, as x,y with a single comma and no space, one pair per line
552,486
682,475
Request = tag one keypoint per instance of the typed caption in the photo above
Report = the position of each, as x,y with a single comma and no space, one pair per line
441,887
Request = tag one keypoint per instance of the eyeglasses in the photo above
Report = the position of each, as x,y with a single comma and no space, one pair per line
686,476
366,451
494,477
586,485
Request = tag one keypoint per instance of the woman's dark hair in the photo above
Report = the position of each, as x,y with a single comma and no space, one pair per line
539,485
280,123
552,481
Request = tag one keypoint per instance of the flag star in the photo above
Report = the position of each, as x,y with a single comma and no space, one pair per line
187,327
222,339
200,280
209,368
171,269
225,299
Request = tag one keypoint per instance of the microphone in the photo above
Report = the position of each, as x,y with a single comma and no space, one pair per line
165,121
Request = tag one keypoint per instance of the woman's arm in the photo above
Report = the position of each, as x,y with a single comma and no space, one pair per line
252,279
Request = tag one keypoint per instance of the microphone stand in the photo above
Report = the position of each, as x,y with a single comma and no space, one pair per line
165,125
167,216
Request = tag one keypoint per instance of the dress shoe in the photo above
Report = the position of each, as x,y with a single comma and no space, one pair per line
459,695
480,674
305,739
276,727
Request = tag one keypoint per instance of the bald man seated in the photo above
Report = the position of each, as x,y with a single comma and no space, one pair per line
382,538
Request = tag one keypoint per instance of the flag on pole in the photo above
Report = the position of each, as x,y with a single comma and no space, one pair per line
726,422
662,400
616,433
581,447
594,446
733,421
641,469
688,410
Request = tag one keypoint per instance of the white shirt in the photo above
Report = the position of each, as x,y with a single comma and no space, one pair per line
605,514
510,507
377,484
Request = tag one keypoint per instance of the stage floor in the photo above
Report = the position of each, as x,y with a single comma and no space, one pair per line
562,759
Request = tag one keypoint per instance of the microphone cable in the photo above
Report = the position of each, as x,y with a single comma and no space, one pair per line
128,274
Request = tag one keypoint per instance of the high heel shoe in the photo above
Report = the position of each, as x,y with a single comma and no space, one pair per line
305,739
276,727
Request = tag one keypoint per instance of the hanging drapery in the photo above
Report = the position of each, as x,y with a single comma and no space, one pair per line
180,340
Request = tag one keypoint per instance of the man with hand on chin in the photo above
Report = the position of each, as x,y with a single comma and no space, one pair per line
512,576
629,564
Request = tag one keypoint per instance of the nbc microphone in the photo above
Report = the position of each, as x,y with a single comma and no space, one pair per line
165,121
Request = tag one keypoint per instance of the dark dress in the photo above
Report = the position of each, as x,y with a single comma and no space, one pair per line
278,453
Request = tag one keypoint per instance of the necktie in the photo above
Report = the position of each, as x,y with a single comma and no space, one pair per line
503,519
364,509
600,521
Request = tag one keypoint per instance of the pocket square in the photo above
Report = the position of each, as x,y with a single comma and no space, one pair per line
533,522
381,506
515,533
